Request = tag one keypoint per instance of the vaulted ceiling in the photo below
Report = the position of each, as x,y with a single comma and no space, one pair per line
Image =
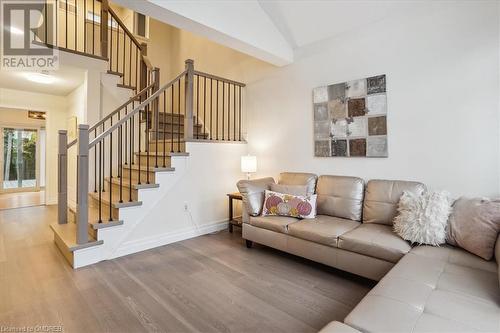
272,30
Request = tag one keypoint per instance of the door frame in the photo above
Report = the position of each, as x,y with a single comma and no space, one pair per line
36,188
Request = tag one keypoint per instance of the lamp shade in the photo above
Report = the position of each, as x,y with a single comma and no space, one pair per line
248,164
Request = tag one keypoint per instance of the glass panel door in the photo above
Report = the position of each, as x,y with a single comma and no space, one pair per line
19,158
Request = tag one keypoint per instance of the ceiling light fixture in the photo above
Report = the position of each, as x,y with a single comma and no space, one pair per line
42,77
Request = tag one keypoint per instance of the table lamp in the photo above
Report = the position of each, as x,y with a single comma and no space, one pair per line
248,164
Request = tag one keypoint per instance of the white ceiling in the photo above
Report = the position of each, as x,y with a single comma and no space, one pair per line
67,79
305,22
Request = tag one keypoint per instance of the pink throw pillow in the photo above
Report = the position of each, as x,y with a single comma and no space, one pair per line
289,205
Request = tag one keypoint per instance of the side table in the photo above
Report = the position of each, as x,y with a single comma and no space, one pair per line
237,221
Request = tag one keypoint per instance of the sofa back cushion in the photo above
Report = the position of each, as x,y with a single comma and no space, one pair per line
252,192
340,196
382,198
290,189
299,178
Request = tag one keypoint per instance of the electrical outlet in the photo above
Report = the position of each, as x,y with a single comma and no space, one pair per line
185,206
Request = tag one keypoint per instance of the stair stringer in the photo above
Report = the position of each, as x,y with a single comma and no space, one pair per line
133,216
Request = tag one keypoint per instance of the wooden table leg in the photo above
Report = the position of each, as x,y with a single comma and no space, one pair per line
230,215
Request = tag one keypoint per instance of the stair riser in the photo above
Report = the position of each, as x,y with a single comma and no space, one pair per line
116,192
142,159
72,219
104,208
135,176
169,147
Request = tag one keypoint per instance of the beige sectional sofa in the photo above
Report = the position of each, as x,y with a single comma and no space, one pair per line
420,289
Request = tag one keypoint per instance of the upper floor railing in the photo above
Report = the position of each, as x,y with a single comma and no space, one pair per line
92,28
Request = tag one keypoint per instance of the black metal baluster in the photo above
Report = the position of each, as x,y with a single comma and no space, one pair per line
120,153
197,106
179,116
111,45
93,26
103,158
164,124
146,139
100,172
228,112
130,64
57,23
85,26
234,111
66,26
76,27
223,106
211,105
239,109
95,163
117,47
204,105
126,106
172,120
217,114
131,147
124,52
140,149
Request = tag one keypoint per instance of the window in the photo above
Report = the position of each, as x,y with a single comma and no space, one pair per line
141,25
97,19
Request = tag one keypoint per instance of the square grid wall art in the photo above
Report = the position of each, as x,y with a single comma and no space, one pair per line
350,119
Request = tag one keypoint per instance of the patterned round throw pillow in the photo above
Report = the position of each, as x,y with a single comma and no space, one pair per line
422,218
289,205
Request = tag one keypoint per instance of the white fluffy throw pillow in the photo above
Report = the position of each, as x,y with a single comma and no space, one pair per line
422,218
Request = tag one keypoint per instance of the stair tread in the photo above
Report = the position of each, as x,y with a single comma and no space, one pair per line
94,218
151,168
116,204
160,153
126,183
126,86
115,73
67,234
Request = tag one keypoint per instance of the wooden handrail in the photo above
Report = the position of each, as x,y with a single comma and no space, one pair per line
124,27
138,108
218,78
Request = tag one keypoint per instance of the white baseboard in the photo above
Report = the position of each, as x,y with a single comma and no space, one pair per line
151,242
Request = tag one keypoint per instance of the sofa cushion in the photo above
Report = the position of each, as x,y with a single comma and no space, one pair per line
252,192
273,223
432,289
290,189
323,229
382,198
375,240
474,225
340,196
299,178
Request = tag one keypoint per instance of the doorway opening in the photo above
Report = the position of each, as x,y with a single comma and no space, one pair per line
22,160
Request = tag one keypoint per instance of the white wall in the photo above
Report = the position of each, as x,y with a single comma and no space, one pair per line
443,84
211,172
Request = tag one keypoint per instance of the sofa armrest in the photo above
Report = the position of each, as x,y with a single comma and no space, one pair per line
338,327
252,192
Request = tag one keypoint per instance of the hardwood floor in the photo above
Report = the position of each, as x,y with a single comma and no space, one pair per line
21,199
211,283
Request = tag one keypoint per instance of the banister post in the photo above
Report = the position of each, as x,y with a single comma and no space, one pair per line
156,106
189,95
104,28
62,178
144,68
82,184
